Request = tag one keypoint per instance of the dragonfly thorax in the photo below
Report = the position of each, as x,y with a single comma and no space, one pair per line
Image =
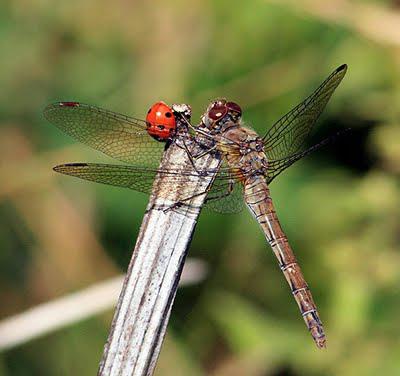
252,145
244,150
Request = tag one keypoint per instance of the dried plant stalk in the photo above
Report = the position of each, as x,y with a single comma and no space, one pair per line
149,289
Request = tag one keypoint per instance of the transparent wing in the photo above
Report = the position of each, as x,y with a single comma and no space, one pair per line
119,136
120,176
226,193
225,196
275,167
285,140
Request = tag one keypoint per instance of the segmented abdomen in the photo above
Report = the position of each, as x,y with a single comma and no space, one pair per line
258,200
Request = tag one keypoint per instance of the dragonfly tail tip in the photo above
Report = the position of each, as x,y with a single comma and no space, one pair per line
320,342
341,67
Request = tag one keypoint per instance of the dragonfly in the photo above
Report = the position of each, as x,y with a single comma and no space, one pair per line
250,162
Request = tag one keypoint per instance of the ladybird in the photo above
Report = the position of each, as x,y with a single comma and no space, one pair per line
160,121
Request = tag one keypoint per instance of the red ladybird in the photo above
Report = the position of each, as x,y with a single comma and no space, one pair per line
160,121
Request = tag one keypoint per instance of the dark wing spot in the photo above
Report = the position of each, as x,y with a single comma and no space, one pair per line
69,104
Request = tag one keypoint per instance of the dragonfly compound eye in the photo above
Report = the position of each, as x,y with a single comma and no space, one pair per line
218,111
234,107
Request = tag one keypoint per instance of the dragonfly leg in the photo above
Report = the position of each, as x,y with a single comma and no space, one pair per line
179,203
227,192
192,157
189,153
205,152
222,195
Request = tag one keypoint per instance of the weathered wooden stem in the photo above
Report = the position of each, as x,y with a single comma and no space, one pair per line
149,289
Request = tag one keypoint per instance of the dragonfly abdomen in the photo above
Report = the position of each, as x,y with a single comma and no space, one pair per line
259,202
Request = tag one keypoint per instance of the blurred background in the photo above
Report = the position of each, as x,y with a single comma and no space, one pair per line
339,206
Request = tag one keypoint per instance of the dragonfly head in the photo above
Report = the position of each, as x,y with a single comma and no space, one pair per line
221,115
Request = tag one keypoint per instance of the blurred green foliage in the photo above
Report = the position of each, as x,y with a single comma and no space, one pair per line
339,207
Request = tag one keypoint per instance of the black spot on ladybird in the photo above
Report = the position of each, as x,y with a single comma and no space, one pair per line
168,114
